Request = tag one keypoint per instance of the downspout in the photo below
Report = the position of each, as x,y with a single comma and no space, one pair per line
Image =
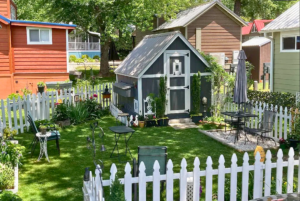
271,78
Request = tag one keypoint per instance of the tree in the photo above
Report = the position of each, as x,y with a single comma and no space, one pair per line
108,17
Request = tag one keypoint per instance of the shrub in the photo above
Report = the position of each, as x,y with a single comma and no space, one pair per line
61,111
91,60
14,95
11,153
7,178
276,98
116,191
79,61
72,58
83,83
195,87
96,57
8,133
51,90
78,113
85,56
9,196
26,91
161,101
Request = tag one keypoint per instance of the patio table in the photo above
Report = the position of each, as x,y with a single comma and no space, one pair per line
121,130
238,116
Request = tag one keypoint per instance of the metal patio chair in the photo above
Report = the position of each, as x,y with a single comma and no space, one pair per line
149,154
265,126
55,135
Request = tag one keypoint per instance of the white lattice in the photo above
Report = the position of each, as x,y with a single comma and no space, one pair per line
189,189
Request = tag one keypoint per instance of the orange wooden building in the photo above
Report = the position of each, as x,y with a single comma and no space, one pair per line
30,52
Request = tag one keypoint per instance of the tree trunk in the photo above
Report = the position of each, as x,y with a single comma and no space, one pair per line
237,7
104,66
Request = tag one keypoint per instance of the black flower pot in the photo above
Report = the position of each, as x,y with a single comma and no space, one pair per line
163,122
196,119
150,123
41,89
294,143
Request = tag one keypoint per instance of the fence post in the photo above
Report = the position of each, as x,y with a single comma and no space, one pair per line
113,172
257,177
245,177
285,122
142,182
221,178
279,172
233,177
208,187
290,173
169,181
196,179
127,182
183,180
280,122
156,181
20,114
268,171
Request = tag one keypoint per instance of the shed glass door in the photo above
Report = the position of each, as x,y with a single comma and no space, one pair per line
178,83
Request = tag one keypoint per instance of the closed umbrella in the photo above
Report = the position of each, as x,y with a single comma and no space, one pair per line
240,89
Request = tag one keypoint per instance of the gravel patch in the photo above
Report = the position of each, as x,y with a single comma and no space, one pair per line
227,138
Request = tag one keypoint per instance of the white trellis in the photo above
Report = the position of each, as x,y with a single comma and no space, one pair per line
262,178
41,106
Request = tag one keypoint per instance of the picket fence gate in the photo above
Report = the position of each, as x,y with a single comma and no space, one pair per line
282,125
41,106
261,180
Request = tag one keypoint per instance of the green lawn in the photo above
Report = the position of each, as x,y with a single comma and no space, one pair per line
62,178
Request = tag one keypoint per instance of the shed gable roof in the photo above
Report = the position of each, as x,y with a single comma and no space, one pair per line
258,41
260,24
287,20
147,51
185,17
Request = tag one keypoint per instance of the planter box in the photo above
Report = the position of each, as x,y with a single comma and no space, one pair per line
62,85
64,123
196,119
163,122
150,123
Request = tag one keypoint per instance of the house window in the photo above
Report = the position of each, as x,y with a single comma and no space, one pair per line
13,13
290,42
253,29
38,36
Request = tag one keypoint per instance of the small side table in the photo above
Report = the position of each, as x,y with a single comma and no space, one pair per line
43,144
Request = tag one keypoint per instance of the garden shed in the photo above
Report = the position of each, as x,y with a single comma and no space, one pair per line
258,51
161,55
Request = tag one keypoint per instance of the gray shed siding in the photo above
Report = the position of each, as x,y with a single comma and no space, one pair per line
149,85
157,67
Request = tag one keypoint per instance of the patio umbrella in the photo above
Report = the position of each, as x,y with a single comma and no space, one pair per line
113,54
240,89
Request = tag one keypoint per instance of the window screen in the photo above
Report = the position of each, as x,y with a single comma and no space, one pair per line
34,35
288,43
44,35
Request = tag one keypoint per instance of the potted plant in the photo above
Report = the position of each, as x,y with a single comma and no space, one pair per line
43,129
282,143
195,114
61,114
141,121
41,86
150,120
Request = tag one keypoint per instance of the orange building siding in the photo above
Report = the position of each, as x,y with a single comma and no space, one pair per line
39,58
219,32
3,8
4,49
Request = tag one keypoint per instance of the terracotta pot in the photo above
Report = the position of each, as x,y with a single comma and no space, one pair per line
141,124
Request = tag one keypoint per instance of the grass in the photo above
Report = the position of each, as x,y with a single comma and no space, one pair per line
62,178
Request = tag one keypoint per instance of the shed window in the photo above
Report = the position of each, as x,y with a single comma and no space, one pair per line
39,36
290,42
13,13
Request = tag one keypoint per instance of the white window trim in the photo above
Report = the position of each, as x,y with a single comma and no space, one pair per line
285,35
38,43
253,30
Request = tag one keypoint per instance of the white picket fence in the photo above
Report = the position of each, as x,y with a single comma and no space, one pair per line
115,112
282,125
261,180
41,106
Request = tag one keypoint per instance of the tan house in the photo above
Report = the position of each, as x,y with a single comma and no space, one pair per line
210,27
284,33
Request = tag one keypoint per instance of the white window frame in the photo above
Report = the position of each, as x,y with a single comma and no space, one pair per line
38,43
253,30
287,35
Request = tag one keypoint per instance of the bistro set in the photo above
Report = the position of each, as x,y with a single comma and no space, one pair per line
241,119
